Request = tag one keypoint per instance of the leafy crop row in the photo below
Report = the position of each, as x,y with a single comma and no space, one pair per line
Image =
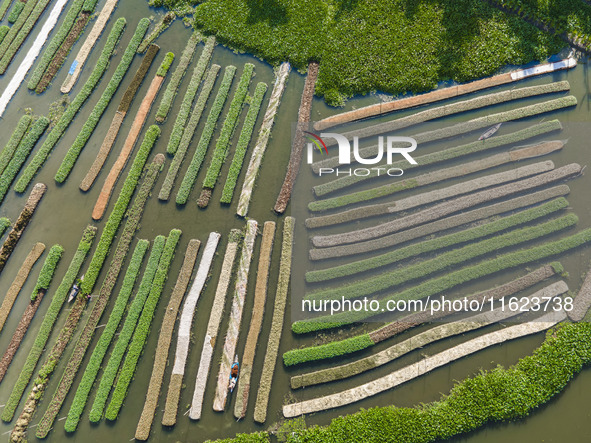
82,345
434,265
17,135
20,155
465,128
489,397
166,21
48,323
110,372
70,112
3,31
222,144
187,134
4,225
177,77
563,16
443,33
119,210
185,109
27,23
102,346
15,11
47,271
451,280
436,243
206,135
243,142
99,109
428,159
4,8
365,340
14,32
55,43
264,388
142,330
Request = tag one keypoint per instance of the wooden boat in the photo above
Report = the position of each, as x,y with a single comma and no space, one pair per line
490,132
73,292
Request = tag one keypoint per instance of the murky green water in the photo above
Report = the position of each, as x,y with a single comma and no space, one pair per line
65,211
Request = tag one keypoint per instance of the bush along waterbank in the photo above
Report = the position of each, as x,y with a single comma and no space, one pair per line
48,323
21,154
222,144
260,147
206,135
101,106
433,29
472,402
13,142
64,122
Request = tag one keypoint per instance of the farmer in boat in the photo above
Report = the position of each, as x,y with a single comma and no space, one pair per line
233,375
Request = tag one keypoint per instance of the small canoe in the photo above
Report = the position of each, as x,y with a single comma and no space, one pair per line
490,132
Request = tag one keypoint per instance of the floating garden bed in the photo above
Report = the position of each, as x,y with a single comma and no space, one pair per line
206,135
185,329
